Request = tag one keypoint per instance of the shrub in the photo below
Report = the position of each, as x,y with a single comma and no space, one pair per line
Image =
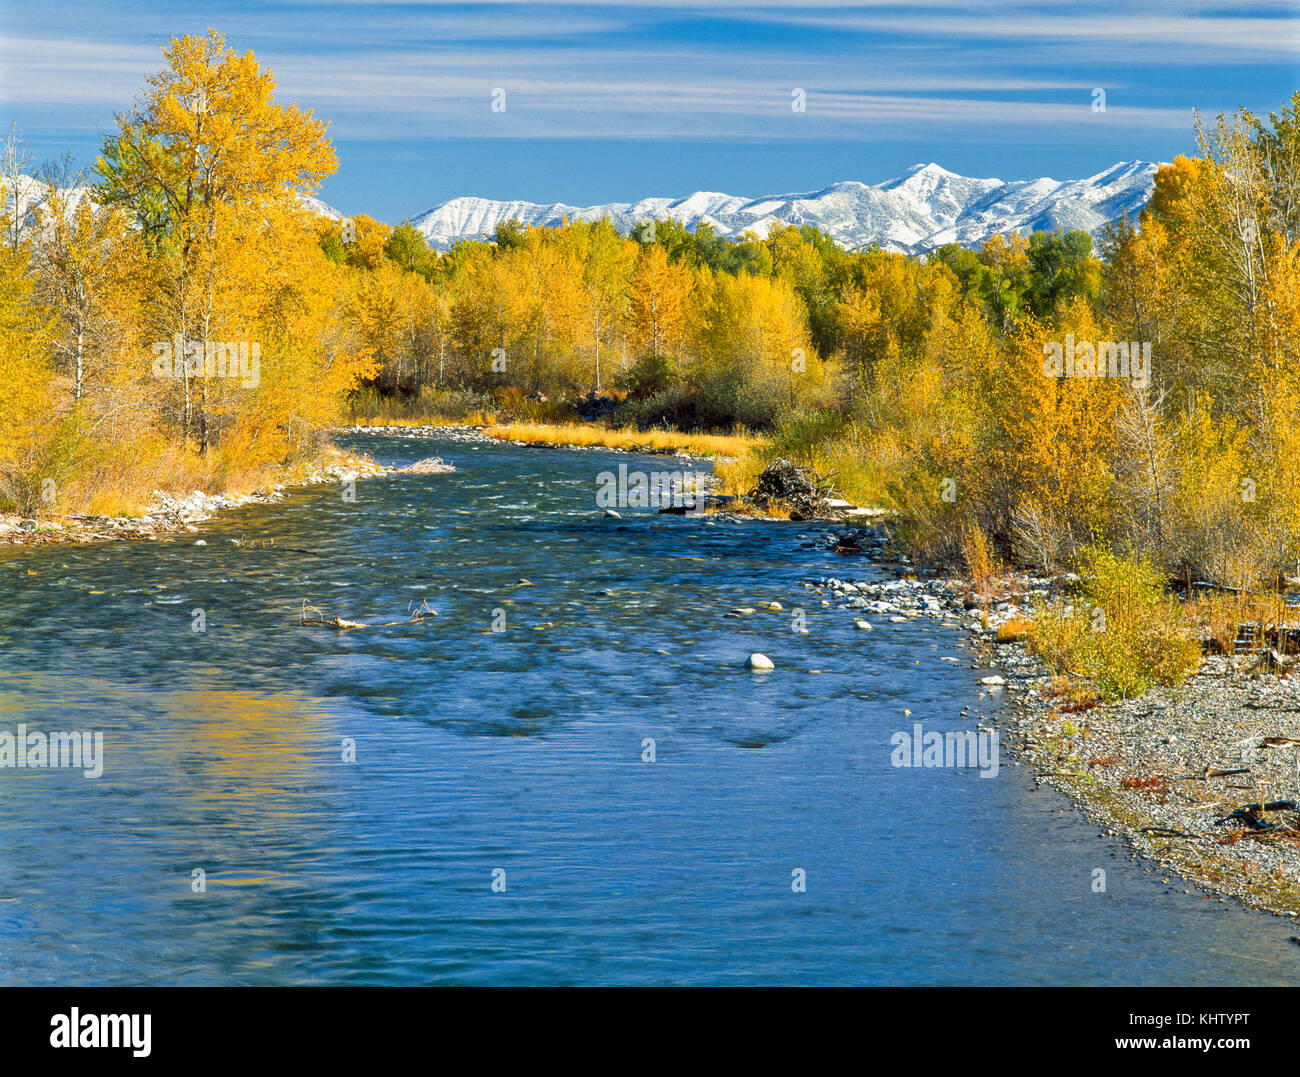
647,376
1123,633
1014,630
57,453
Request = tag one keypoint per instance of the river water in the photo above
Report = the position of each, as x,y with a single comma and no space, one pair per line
501,822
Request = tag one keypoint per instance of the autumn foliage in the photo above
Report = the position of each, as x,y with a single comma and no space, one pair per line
126,314
920,382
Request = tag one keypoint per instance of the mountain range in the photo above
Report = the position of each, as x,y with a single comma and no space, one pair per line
924,208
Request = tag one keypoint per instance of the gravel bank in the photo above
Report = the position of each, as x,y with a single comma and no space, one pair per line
1203,778
1177,770
168,514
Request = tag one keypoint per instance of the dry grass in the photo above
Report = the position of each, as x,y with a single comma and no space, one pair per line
738,475
1153,784
856,477
1014,630
736,444
986,571
123,480
1070,696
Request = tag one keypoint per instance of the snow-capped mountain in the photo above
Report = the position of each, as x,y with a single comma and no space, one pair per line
321,209
922,209
25,197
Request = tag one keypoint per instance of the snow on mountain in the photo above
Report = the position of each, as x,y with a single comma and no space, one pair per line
25,197
924,208
321,209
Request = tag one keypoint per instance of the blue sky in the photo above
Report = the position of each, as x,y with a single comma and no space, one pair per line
608,102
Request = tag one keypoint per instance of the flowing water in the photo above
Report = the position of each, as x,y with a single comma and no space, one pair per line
519,757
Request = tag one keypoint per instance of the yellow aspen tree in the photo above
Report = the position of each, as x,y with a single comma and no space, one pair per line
25,373
657,301
204,160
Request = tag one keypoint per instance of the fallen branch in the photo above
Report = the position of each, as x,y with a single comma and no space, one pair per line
268,544
1259,817
433,465
1211,772
420,613
1168,832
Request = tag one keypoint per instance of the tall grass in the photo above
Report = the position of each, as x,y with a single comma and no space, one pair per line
823,441
982,563
1253,619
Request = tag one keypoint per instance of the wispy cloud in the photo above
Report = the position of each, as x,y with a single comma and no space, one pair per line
922,75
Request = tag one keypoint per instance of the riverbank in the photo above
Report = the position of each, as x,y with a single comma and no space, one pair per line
1174,771
182,513
179,512
1202,778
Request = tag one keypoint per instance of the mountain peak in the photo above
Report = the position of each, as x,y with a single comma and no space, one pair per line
930,169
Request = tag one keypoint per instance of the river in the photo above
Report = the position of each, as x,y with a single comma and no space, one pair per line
502,822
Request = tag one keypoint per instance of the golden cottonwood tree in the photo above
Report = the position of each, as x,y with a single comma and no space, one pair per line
208,161
658,293
607,264
91,274
1053,435
24,375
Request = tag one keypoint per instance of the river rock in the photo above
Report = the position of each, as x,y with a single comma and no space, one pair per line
760,662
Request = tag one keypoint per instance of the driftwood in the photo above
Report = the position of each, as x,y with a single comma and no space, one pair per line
801,488
1262,817
1271,661
1212,772
268,544
1167,832
433,465
311,616
1205,585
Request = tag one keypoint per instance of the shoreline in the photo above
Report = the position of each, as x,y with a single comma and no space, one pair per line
1175,770
1172,771
168,514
